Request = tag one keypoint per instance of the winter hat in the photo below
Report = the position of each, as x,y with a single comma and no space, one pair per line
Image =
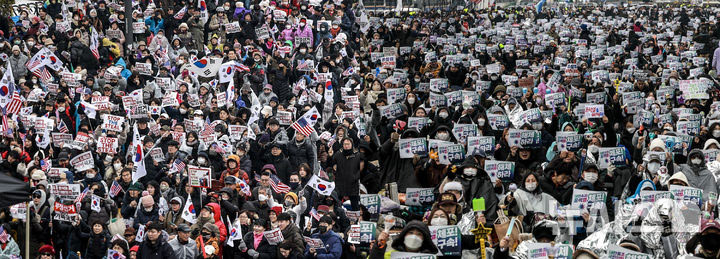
148,201
16,47
680,176
452,186
710,142
657,143
176,199
293,196
46,249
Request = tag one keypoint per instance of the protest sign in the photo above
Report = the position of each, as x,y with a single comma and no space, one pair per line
367,231
687,194
447,239
417,123
439,85
391,111
611,155
498,121
18,211
451,153
284,117
653,196
484,143
63,191
617,252
419,196
199,176
354,234
462,131
584,199
693,89
502,170
594,111
107,145
546,250
63,212
138,27
112,122
412,146
144,68
83,161
711,155
524,138
315,243
395,94
568,141
408,255
371,202
233,27
274,237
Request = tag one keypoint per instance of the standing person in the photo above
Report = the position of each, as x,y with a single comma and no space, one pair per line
258,246
155,246
184,246
348,165
291,233
333,242
716,60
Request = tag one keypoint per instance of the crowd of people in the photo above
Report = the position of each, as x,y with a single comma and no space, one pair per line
324,129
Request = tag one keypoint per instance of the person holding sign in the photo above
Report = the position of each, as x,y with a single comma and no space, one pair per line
528,199
697,173
258,246
475,183
414,238
332,241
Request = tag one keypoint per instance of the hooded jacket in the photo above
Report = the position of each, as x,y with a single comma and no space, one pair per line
530,201
478,186
218,221
699,176
398,244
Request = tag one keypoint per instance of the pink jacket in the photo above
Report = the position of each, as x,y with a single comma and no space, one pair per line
286,34
305,32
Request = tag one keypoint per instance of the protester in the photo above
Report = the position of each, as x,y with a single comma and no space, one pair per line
325,129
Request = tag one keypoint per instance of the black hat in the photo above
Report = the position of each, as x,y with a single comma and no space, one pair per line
326,219
183,228
284,216
589,166
230,180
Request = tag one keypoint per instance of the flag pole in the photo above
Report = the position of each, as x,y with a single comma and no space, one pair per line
27,229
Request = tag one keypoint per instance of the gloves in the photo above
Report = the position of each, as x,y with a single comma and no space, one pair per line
253,253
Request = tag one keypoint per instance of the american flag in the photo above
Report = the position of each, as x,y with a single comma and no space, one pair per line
62,127
240,67
314,214
45,164
302,126
94,44
275,183
115,189
15,104
43,74
178,165
82,196
179,15
5,125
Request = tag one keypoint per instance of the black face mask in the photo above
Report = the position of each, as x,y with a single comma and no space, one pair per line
710,242
206,236
322,229
347,152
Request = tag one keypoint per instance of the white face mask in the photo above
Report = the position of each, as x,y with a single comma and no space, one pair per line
443,115
117,166
716,133
481,122
90,176
411,100
696,161
413,241
668,128
591,177
201,160
531,186
470,171
653,167
442,136
439,222
630,130
302,24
